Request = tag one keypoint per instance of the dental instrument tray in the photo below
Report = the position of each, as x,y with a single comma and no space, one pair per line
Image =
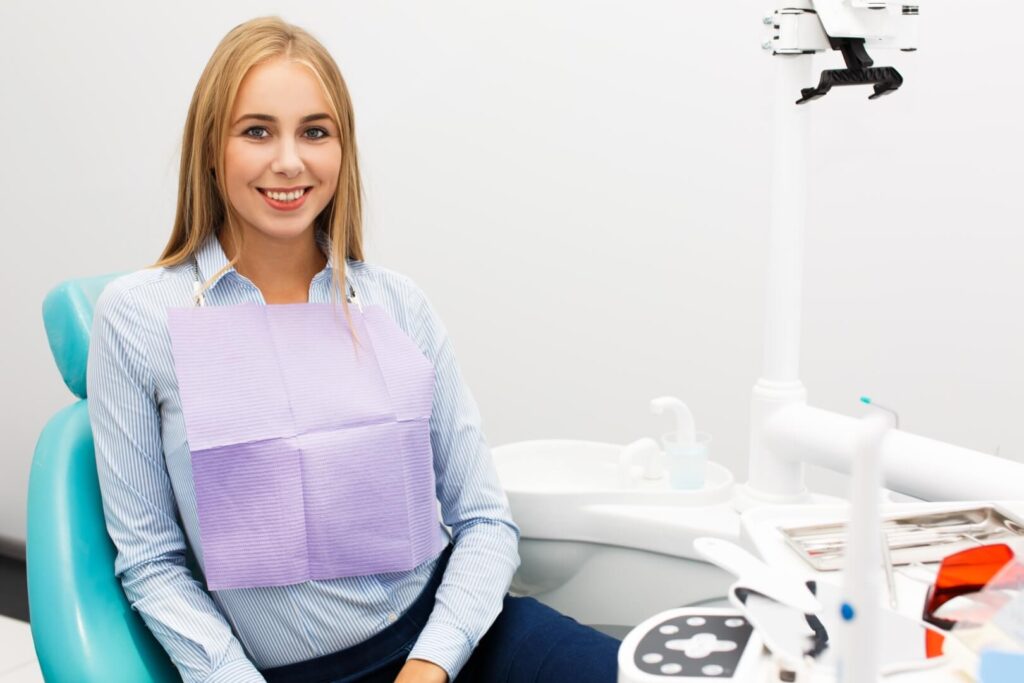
921,537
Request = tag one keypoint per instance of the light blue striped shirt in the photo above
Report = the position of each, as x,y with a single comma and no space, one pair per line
149,500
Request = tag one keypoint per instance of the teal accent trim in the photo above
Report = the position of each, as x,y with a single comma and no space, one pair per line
865,400
67,317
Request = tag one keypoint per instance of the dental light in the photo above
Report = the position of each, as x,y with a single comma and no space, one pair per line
850,26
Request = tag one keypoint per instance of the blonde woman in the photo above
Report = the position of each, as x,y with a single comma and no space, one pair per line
293,416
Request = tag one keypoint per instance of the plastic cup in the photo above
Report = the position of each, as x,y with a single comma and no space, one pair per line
687,464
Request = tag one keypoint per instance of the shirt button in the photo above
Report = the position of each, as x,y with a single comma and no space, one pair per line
392,617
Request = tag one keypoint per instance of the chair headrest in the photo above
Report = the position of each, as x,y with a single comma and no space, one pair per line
67,316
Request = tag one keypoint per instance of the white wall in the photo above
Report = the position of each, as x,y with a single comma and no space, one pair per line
582,189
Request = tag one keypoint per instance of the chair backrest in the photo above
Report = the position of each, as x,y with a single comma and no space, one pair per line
82,624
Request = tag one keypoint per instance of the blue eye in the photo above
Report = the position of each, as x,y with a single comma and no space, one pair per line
322,133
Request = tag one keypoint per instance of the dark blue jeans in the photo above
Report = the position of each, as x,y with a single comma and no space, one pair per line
528,643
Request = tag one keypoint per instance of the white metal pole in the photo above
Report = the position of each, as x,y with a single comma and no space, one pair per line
859,659
789,199
771,478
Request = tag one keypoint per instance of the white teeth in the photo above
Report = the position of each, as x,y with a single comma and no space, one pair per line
286,196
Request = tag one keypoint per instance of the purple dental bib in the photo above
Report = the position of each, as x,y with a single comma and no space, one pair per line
311,458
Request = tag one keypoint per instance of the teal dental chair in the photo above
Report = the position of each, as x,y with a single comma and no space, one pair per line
83,626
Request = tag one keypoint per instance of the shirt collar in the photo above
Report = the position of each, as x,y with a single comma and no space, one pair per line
211,258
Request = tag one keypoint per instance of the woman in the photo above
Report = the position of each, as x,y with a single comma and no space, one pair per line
296,439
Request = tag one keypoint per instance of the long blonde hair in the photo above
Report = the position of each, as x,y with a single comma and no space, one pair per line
202,192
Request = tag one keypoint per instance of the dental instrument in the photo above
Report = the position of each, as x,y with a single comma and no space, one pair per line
860,610
883,540
913,538
868,401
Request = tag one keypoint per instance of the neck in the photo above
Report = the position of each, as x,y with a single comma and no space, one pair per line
280,268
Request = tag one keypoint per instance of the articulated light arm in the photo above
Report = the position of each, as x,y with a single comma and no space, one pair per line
911,464
785,431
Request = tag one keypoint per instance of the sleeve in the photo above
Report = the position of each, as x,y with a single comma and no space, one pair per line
473,504
139,505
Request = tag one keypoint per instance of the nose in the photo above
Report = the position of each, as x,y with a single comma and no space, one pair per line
286,159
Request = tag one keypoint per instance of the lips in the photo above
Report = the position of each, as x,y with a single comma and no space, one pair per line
284,205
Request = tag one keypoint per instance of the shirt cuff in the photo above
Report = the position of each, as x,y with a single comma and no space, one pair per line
443,645
236,671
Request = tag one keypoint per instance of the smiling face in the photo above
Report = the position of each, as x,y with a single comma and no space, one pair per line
283,153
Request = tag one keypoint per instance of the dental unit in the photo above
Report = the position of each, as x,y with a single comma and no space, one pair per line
645,527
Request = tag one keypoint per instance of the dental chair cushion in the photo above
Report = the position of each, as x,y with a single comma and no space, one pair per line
83,627
67,317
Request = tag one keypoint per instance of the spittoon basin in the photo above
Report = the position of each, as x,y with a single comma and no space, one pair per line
604,552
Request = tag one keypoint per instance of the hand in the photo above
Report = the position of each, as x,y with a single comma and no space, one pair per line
421,671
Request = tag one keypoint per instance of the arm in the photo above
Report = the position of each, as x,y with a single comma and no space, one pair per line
139,505
473,504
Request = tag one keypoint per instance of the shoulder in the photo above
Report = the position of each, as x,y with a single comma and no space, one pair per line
140,293
376,284
402,298
122,285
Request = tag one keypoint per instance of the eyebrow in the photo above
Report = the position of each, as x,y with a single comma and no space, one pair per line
273,119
